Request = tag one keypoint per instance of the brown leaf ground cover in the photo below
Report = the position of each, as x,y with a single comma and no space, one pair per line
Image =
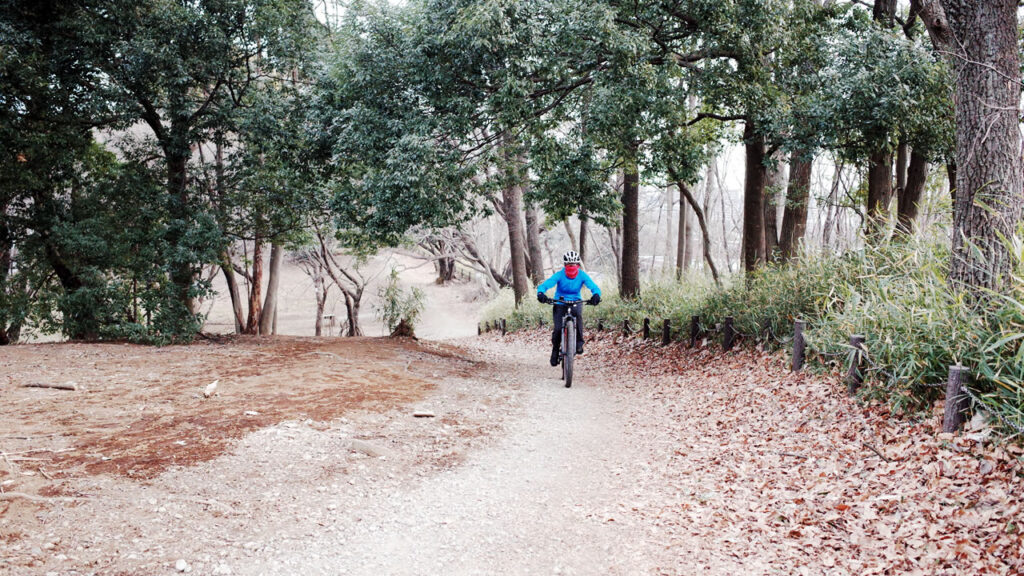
138,410
777,472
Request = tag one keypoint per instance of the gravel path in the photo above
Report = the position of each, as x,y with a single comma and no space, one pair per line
545,497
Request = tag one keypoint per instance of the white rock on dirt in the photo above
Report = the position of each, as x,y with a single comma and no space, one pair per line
182,566
210,389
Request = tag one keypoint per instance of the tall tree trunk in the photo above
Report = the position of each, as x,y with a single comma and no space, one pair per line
269,315
981,39
584,233
902,152
252,323
908,202
680,234
713,170
773,197
533,243
688,238
832,211
753,199
236,298
512,199
353,303
182,273
671,256
572,237
794,218
319,286
630,286
615,242
879,194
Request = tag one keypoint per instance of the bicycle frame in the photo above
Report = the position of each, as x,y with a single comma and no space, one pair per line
567,353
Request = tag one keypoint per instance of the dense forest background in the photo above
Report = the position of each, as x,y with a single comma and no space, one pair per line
857,164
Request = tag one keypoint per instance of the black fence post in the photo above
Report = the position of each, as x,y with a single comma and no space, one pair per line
666,332
957,401
487,326
600,325
728,333
479,330
855,375
799,345
625,327
647,328
502,326
694,330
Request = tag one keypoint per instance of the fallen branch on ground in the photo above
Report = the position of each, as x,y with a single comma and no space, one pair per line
34,498
71,387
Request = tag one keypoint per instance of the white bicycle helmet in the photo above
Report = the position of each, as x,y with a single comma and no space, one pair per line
571,257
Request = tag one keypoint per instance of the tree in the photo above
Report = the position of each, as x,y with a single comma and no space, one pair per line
184,69
980,40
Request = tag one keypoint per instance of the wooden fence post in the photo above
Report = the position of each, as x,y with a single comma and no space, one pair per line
854,375
487,326
728,333
479,330
694,330
957,401
798,345
647,328
625,327
502,326
600,325
666,332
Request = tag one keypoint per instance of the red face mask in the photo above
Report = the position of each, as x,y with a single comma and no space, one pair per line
571,271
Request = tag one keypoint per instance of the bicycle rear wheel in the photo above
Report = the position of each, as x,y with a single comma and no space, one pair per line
569,352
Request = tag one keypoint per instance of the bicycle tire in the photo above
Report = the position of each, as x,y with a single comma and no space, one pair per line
569,340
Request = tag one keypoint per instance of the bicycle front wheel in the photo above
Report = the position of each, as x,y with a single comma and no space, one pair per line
569,341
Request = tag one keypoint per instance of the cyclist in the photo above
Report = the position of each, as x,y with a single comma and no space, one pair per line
568,282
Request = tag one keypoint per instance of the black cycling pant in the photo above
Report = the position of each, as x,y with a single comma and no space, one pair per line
558,310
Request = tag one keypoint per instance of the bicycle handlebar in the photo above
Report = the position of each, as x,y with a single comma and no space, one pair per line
553,301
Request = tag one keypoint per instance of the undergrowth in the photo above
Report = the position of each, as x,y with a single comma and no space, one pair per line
895,294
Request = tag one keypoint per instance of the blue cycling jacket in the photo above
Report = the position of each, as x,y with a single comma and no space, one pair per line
568,288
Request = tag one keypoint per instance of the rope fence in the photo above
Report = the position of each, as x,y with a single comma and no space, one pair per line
858,361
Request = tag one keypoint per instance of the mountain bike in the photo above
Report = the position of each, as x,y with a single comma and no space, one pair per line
567,352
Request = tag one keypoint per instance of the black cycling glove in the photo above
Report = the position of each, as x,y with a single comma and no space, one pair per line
595,299
542,298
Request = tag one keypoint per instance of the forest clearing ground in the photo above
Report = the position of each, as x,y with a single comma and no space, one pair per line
657,461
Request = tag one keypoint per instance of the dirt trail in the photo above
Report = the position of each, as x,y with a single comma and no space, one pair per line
548,496
657,461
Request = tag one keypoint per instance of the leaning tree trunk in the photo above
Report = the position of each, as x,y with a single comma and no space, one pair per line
907,204
981,40
236,299
794,217
533,244
268,317
753,199
684,192
629,288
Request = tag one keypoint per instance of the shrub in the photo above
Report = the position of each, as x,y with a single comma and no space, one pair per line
396,306
895,293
